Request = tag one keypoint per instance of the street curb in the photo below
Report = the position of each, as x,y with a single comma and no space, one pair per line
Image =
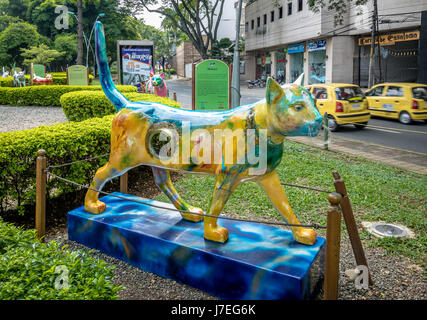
381,154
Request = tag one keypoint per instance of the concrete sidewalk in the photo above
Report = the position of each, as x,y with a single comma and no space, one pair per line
408,160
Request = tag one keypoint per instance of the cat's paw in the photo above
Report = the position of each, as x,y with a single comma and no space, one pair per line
216,233
193,217
305,236
95,207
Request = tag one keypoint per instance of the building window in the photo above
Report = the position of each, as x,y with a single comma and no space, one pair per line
280,12
289,8
258,22
252,24
300,5
265,19
246,26
272,16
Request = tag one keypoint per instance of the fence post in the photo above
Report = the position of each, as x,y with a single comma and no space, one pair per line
350,223
124,183
41,177
325,131
174,96
333,239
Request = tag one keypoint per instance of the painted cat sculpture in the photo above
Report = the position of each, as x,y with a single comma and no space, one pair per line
138,126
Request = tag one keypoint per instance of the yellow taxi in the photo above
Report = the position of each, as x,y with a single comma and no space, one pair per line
403,101
344,103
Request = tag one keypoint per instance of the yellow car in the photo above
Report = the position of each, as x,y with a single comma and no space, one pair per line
344,103
403,101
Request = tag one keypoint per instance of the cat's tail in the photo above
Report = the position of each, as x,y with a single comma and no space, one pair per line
117,99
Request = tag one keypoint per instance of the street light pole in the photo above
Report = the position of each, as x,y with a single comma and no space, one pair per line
235,80
90,37
371,80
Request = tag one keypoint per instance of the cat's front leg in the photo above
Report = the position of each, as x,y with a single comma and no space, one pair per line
272,186
224,187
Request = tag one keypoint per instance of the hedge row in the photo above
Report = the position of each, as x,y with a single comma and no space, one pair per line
82,105
59,78
64,142
29,270
45,95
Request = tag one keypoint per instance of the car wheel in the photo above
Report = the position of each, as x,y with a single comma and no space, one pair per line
405,118
332,124
361,125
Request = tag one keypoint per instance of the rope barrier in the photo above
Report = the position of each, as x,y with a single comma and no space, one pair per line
304,187
314,225
74,162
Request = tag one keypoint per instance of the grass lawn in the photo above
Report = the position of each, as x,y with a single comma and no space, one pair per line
377,193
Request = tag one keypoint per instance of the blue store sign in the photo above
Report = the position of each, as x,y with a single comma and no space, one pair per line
317,45
295,48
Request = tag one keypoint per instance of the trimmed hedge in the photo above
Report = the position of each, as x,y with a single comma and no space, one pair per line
63,142
45,95
59,78
28,270
82,105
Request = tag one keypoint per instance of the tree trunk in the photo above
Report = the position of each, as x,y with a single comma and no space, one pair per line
80,33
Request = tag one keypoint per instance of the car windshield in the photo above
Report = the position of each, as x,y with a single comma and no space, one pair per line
347,93
420,93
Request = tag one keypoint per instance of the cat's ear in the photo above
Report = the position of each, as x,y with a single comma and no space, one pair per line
273,92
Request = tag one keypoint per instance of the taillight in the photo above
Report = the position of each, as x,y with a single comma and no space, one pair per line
339,107
414,104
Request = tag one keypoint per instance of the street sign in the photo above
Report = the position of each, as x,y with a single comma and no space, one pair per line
77,75
211,85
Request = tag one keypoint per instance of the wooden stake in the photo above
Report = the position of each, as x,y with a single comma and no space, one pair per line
193,86
350,223
333,238
41,177
174,96
124,183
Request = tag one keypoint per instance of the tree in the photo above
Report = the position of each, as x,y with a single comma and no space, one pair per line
198,19
13,38
79,59
339,6
40,55
6,20
66,43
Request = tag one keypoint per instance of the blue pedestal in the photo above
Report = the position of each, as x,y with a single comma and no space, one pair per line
257,262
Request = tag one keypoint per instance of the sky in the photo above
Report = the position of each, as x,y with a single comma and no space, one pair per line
152,19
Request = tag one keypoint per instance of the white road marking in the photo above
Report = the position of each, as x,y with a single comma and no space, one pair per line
391,131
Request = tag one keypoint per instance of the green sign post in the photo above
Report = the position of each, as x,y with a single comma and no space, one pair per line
211,85
77,76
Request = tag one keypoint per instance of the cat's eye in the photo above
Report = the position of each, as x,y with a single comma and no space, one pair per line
298,107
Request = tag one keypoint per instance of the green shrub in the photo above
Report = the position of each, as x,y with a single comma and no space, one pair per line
64,142
28,270
59,78
83,105
45,95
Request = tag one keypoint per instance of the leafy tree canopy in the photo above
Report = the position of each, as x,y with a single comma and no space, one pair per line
40,55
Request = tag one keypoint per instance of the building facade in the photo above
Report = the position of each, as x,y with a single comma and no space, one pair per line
284,38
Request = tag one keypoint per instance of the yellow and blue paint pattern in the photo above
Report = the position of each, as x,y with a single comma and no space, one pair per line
257,262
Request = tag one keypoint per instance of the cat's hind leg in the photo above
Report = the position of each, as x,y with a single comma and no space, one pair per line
163,181
272,186
224,187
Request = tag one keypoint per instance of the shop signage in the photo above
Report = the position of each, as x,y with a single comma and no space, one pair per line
391,39
316,45
295,48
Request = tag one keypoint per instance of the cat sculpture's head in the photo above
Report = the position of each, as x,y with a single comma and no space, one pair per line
291,110
157,80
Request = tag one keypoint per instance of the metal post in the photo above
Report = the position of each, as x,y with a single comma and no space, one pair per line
41,177
325,131
235,81
333,238
371,80
350,223
124,183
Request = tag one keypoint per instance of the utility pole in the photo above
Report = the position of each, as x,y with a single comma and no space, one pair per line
371,59
235,79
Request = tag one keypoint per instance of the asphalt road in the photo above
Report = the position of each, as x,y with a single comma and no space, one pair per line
391,134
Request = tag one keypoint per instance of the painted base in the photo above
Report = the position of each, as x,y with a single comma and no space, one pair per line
257,262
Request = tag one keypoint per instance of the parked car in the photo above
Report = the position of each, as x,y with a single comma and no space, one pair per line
344,103
403,101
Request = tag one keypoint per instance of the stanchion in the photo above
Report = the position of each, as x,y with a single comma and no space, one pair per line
41,164
124,183
350,223
333,238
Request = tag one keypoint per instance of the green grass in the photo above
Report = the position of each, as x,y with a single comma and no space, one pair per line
377,193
